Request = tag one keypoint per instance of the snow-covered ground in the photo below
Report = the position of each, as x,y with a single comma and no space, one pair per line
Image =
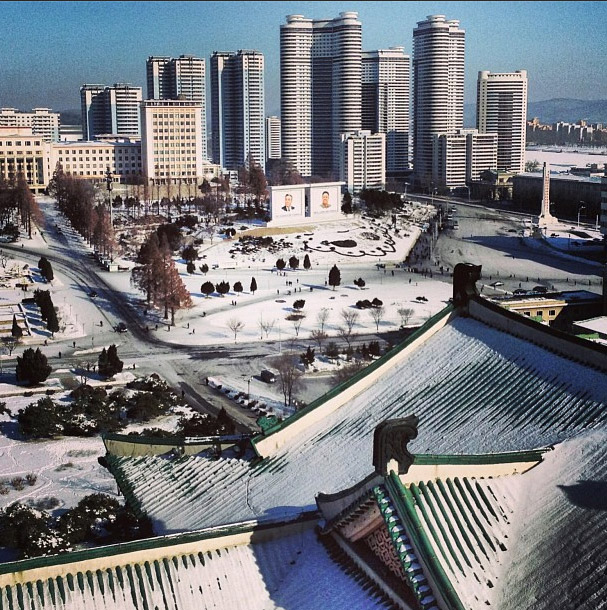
562,158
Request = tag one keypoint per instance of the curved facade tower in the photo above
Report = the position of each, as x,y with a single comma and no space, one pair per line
438,87
320,83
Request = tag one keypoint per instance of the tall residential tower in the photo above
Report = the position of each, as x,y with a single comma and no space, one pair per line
501,107
320,89
238,108
110,110
180,78
385,103
438,87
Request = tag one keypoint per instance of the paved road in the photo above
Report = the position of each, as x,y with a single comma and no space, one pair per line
487,237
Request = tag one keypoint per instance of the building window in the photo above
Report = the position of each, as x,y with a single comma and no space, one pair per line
552,312
527,313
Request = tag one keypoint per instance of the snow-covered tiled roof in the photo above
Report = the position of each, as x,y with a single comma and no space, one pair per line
486,391
293,571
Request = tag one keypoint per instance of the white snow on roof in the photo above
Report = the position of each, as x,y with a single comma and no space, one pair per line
293,572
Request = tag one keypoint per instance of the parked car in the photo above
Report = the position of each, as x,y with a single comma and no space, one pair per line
93,294
519,291
496,284
120,327
540,289
268,376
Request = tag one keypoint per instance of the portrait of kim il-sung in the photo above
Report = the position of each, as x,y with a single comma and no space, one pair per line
288,206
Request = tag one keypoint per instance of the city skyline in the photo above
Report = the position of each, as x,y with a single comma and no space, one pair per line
56,47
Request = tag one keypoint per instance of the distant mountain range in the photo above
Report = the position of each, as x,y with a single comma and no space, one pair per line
554,110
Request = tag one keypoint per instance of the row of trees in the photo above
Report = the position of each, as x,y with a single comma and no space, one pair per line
83,205
223,287
293,263
17,203
48,313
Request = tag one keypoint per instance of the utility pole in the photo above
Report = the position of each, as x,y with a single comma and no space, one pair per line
108,180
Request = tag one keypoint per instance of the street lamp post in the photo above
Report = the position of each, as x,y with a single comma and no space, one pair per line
108,180
580,208
249,388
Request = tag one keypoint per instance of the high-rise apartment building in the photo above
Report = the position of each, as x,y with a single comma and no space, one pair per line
460,156
438,87
320,89
273,137
93,111
501,107
385,103
43,121
238,108
363,161
183,77
110,110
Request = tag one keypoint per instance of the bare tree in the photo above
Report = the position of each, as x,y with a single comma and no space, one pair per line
266,326
350,318
405,314
290,375
377,313
319,337
235,325
322,317
297,319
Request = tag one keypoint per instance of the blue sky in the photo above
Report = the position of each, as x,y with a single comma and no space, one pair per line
49,49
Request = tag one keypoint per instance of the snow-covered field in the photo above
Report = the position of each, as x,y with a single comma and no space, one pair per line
569,157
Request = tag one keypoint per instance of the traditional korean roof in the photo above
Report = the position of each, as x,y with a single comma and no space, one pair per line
485,391
280,567
487,531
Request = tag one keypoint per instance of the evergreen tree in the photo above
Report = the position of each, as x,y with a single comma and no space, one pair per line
16,331
191,268
346,206
145,274
334,277
223,288
307,264
113,361
238,287
280,264
207,288
32,367
102,362
204,268
109,364
52,323
253,286
294,262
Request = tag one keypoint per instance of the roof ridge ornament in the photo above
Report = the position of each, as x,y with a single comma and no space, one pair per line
465,276
390,440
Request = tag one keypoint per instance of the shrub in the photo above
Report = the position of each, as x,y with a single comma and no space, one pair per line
18,483
31,478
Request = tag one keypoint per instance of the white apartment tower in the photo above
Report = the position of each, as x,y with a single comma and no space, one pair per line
501,107
183,77
273,137
363,160
385,103
43,121
438,87
123,102
238,108
110,110
320,88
